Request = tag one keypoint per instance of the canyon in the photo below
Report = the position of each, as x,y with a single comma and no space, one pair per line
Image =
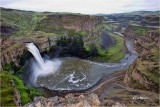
145,70
94,43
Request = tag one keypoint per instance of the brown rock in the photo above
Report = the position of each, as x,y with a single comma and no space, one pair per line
49,104
69,101
86,103
94,99
80,104
38,104
119,105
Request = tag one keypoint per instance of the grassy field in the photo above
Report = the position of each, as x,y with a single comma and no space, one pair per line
22,20
116,52
141,31
112,54
30,23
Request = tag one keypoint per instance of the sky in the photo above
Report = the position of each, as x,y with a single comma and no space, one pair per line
83,6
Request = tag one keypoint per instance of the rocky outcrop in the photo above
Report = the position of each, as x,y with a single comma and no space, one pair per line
13,52
144,73
131,31
69,46
107,41
142,79
68,101
68,21
44,30
7,30
136,79
151,21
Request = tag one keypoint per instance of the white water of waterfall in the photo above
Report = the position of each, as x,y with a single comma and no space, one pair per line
35,52
41,67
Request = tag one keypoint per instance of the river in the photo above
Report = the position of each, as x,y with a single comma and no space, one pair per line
79,74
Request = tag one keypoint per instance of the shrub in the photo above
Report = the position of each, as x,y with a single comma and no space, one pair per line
7,90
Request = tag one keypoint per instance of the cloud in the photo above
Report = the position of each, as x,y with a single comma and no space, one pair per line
82,6
144,5
6,2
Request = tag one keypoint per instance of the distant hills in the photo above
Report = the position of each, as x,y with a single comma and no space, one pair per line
142,13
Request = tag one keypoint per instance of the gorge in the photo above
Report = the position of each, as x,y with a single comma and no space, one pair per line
73,73
59,59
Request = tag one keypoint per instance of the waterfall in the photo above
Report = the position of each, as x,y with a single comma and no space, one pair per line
35,52
40,66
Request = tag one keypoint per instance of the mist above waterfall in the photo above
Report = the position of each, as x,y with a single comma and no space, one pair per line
41,66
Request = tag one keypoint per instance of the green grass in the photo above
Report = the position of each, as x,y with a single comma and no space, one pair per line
149,74
112,54
101,52
7,90
52,30
45,34
141,31
30,23
24,21
87,48
73,32
116,52
107,27
137,85
27,94
145,72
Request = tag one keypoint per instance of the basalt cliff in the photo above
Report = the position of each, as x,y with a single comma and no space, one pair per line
144,73
49,31
87,37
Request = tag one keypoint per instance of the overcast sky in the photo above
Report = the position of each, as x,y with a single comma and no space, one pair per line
83,6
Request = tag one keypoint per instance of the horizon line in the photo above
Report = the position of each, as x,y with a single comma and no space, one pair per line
78,12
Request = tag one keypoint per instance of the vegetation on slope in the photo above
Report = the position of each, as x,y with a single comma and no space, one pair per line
112,54
116,52
147,64
30,23
20,19
26,22
9,84
8,93
140,31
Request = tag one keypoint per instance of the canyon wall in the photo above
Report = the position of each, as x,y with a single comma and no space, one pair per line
12,52
144,73
44,29
69,21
